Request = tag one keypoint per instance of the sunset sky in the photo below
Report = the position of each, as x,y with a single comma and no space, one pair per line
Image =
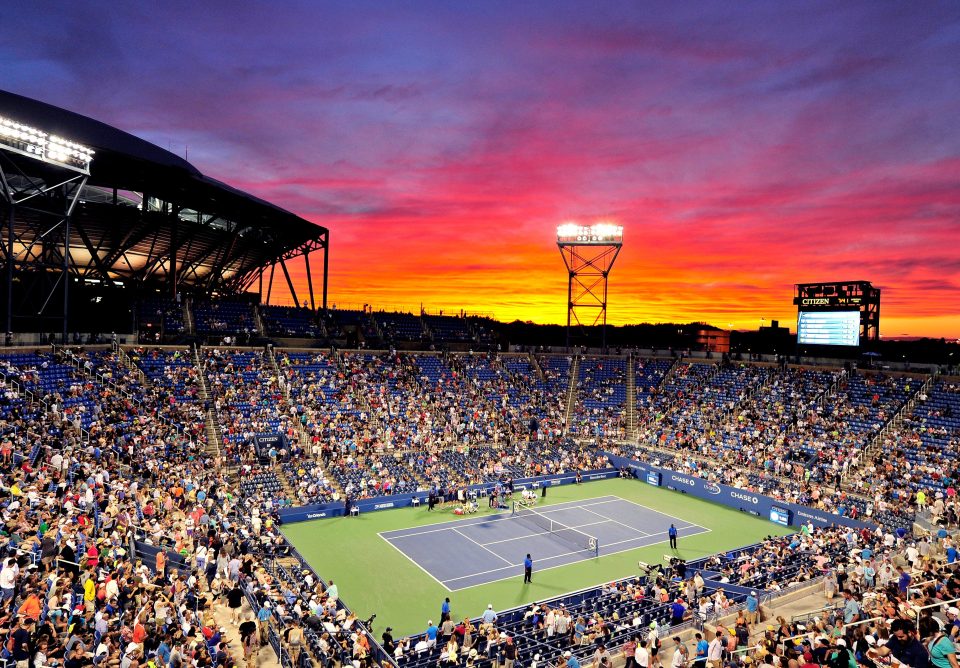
743,146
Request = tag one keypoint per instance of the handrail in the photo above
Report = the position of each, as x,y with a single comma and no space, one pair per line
894,421
116,387
938,604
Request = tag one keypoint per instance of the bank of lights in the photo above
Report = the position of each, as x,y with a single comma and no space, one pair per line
44,146
596,233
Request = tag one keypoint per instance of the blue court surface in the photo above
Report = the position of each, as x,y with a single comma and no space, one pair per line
475,551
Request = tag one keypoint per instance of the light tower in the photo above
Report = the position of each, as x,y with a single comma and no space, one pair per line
42,175
589,252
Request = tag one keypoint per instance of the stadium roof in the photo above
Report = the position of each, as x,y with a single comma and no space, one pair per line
143,206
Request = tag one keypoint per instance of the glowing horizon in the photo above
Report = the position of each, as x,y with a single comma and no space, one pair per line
743,149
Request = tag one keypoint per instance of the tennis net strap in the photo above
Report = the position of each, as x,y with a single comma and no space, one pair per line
575,537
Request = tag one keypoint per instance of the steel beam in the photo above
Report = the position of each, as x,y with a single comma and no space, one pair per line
286,274
306,262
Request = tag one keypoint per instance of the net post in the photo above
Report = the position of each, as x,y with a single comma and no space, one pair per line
583,541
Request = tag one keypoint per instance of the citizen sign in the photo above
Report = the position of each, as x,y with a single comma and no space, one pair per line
745,497
683,481
381,506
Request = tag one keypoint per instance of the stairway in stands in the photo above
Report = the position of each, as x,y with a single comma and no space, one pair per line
130,364
302,434
258,320
574,380
188,322
535,363
630,409
850,477
211,428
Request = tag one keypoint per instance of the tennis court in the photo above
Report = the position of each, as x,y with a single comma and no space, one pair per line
476,551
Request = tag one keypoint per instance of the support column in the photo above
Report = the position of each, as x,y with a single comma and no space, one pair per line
306,262
326,266
8,195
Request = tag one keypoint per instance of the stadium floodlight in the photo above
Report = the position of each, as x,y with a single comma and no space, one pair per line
598,233
34,143
588,252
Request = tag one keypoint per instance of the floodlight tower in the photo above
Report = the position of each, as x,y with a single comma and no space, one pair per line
42,175
589,252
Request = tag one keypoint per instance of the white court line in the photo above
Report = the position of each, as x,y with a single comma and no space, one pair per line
481,545
658,512
548,568
455,525
415,563
565,554
610,519
446,526
542,533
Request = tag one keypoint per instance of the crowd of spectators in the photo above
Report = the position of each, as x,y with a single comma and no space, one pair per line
290,321
124,542
793,433
890,601
601,394
369,423
363,424
919,455
397,422
246,394
104,466
160,316
224,317
896,605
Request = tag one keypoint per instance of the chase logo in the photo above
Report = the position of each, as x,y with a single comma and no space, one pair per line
712,488
683,480
745,497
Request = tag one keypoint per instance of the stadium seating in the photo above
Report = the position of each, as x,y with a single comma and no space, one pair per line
246,395
615,612
601,393
395,327
159,312
290,321
921,452
338,321
648,378
222,317
447,329
84,425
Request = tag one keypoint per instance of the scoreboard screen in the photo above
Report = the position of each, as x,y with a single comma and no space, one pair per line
780,516
653,478
828,328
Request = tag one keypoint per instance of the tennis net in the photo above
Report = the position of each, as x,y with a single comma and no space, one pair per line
575,537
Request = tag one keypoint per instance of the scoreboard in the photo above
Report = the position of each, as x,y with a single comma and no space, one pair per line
843,314
829,328
781,516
